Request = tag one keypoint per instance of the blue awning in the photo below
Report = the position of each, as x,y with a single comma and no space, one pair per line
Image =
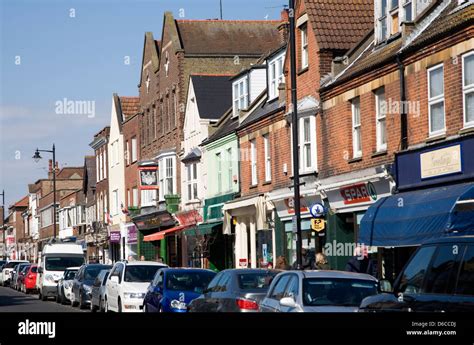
411,218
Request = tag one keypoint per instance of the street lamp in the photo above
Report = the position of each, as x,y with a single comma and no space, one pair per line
3,224
296,164
37,158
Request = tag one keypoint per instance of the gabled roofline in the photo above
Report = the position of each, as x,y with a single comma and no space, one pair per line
155,55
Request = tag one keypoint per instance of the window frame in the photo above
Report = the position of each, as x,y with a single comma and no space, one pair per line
466,90
219,171
230,168
133,150
304,46
267,157
435,100
379,118
253,163
192,181
275,75
356,128
382,18
239,96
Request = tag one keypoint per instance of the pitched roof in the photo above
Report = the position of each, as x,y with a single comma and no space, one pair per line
130,106
89,172
229,37
21,203
213,95
263,110
339,24
228,125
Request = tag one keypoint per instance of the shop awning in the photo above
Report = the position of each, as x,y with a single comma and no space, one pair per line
203,229
157,236
411,218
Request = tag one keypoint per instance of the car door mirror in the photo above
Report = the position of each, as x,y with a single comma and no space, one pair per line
40,270
114,279
288,302
385,286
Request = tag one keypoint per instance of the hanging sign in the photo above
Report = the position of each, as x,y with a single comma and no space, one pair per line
317,210
318,224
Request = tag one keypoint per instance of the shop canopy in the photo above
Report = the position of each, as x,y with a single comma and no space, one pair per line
411,218
186,219
157,236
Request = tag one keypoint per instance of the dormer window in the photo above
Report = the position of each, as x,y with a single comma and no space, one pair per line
382,20
408,10
394,20
275,75
240,95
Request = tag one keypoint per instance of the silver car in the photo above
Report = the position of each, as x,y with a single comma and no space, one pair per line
98,291
64,293
234,290
318,291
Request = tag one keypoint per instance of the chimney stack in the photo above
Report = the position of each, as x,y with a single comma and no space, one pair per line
284,27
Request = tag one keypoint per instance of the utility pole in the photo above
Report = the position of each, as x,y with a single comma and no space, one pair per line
3,225
220,3
296,164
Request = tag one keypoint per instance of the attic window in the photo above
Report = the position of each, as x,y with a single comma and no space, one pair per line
408,10
382,20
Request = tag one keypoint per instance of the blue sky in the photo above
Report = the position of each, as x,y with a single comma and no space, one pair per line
56,49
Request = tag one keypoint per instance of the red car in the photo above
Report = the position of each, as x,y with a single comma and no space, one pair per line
28,280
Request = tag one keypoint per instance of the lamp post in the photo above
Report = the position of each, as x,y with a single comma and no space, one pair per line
3,225
296,164
37,157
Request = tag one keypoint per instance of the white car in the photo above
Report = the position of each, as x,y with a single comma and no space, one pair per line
127,285
7,270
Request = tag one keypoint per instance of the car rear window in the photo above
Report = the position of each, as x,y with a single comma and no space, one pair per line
34,269
255,281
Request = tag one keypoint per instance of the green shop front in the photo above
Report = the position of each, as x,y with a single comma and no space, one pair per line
207,246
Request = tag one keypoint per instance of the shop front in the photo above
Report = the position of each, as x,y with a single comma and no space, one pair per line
131,241
115,237
285,220
435,198
347,198
248,218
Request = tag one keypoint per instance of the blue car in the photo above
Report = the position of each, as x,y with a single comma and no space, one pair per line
172,289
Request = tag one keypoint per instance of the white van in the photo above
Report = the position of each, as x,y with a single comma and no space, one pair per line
55,259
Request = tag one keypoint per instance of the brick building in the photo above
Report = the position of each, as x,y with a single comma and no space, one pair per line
397,112
186,47
15,236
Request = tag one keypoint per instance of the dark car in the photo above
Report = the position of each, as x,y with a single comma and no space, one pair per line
234,290
20,277
82,284
98,291
439,277
172,289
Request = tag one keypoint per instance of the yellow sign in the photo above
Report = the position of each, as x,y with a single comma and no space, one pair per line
441,162
318,224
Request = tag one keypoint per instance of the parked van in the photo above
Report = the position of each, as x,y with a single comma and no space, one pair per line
55,259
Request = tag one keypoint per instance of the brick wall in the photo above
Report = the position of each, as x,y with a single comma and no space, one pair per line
130,130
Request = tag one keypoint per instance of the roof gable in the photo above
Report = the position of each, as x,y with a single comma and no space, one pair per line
213,95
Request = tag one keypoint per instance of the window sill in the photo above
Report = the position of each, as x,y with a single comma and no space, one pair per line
355,160
266,183
303,70
436,137
466,130
379,153
253,186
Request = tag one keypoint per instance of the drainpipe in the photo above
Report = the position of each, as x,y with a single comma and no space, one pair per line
403,110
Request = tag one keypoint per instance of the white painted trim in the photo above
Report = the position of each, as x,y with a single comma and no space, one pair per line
466,90
436,100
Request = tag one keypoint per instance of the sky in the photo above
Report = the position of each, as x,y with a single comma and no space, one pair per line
62,52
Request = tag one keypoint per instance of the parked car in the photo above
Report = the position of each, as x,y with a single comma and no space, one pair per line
98,291
234,290
318,291
127,285
439,277
2,263
28,281
172,289
7,269
22,268
15,273
82,283
64,292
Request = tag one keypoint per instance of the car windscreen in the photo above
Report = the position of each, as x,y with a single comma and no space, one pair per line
188,281
140,273
62,262
11,264
255,281
336,291
69,275
23,269
92,272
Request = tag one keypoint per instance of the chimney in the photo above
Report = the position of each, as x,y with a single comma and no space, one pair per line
281,93
339,63
50,169
284,26
407,29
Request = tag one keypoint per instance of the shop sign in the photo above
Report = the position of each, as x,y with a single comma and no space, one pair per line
318,224
148,177
317,210
132,234
359,193
243,263
115,236
290,205
441,162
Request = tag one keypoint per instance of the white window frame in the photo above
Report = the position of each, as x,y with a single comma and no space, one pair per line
275,75
239,97
435,100
104,174
148,197
164,171
229,168
129,199
356,129
405,4
466,89
135,196
115,200
304,46
97,166
268,157
380,118
219,171
302,143
382,18
127,153
134,149
192,192
253,162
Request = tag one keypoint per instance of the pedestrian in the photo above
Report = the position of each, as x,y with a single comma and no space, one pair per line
308,260
281,263
142,258
131,258
322,262
270,265
360,262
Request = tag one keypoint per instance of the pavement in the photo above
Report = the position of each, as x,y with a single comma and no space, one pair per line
14,301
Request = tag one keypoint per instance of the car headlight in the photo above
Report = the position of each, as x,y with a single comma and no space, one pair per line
49,278
67,284
175,304
130,295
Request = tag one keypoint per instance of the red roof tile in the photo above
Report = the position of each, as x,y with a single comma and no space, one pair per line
339,24
130,106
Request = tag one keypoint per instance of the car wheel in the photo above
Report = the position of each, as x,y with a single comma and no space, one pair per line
81,302
42,296
101,307
92,307
119,305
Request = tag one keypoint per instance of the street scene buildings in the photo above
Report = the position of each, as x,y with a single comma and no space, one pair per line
196,168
